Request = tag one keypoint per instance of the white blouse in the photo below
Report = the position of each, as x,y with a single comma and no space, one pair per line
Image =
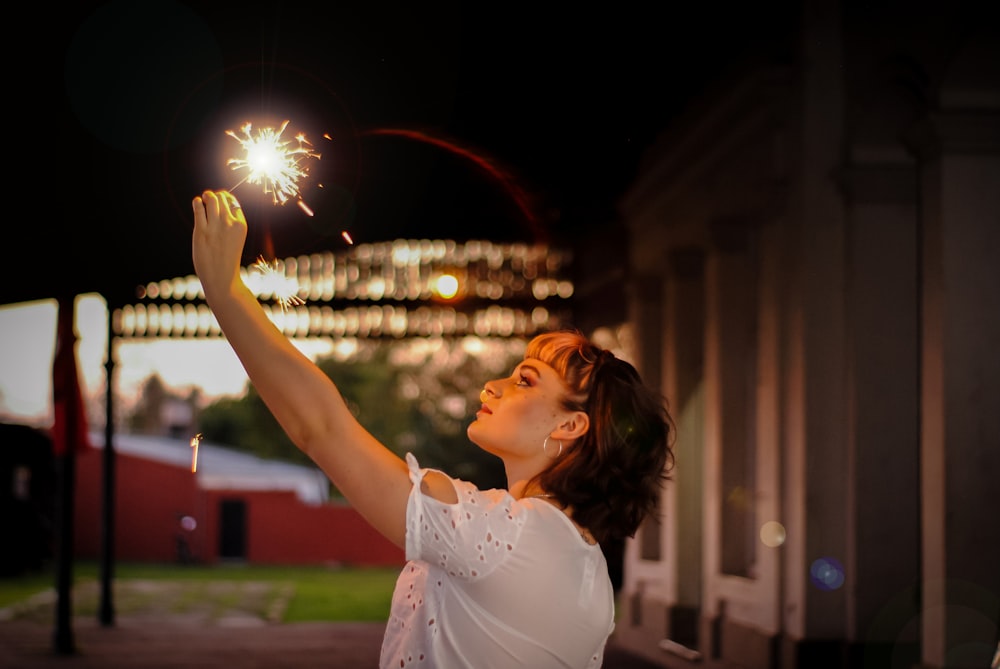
492,582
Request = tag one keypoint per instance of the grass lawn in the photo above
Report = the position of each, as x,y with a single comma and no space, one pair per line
280,593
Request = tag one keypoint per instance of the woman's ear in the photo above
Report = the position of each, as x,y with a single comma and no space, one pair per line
574,426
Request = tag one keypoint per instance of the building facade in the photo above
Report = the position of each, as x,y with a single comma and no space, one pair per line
813,281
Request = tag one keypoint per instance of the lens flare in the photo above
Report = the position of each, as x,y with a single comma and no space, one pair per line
506,180
827,573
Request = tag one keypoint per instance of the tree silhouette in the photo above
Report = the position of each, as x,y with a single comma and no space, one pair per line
415,396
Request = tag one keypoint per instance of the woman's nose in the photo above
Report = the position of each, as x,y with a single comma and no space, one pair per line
491,389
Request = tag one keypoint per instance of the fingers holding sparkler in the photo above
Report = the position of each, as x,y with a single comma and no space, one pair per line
232,205
220,204
220,232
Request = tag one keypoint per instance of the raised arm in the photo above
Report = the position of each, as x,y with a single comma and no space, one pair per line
302,398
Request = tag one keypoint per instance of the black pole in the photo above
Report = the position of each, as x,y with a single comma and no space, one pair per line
106,611
63,641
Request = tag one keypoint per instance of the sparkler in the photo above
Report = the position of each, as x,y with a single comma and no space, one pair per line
195,440
284,289
271,162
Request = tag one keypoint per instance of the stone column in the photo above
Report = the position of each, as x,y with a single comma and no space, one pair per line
960,387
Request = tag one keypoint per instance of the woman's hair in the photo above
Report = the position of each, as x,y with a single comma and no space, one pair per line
613,475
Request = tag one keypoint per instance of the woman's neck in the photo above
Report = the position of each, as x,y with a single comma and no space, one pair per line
524,488
520,478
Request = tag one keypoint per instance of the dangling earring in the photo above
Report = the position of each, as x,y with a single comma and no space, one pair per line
545,448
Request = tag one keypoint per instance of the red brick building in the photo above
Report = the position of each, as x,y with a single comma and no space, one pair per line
235,507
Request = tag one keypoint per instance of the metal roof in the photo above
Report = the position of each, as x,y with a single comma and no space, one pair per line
224,468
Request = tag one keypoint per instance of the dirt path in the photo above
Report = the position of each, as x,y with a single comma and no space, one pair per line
194,602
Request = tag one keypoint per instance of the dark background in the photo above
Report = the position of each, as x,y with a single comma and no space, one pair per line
532,118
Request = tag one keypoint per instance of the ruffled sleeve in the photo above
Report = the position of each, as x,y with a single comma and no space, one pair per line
467,539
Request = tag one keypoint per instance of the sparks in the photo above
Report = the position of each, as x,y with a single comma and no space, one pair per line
273,281
347,237
270,161
195,440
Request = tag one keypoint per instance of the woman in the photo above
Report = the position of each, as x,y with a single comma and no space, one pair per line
494,578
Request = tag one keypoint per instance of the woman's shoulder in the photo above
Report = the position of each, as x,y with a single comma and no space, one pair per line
561,516
438,485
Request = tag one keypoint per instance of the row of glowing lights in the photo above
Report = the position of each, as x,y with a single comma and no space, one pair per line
270,281
302,321
288,292
404,255
403,252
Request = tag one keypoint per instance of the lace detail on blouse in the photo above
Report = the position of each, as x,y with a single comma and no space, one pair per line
467,539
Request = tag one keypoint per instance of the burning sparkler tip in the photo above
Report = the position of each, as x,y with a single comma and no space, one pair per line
195,440
270,162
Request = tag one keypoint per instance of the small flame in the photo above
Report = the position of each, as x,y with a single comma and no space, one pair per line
195,440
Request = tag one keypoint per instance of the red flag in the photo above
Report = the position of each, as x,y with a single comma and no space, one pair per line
69,427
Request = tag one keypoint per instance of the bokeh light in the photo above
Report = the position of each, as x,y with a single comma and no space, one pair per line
446,286
827,573
772,534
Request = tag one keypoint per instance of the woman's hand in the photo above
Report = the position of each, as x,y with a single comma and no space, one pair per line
220,231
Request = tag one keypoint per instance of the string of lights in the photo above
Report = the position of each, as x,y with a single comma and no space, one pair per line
401,288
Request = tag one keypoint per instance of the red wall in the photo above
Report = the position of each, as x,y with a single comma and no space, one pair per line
152,497
319,534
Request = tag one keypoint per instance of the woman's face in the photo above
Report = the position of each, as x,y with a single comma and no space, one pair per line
519,411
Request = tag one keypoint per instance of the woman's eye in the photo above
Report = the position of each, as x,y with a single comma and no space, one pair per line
523,381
